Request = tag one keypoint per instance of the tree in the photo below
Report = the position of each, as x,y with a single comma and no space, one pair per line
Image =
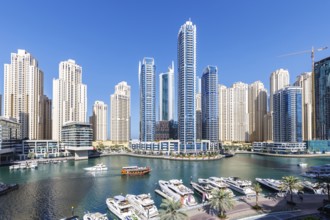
257,189
169,210
290,183
221,201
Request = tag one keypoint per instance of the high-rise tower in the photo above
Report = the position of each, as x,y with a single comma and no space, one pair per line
100,121
166,95
210,104
147,80
187,85
23,93
120,115
69,97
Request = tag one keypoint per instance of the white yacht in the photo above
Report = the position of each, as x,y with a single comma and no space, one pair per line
24,165
97,167
302,165
241,186
119,206
317,171
178,192
216,182
95,216
203,189
316,188
271,183
143,205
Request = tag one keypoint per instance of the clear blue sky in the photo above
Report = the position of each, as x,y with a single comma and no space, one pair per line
108,38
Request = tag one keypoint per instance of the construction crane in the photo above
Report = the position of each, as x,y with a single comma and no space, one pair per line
306,51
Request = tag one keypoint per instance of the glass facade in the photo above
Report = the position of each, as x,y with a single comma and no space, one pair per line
77,135
210,104
288,115
187,84
10,133
322,99
147,79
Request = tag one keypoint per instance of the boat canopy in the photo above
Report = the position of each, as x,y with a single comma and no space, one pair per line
119,198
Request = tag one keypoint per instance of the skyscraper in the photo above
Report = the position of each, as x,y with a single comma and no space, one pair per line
278,79
47,118
305,82
147,81
234,116
187,85
166,95
210,104
0,105
23,93
287,115
322,99
199,120
120,115
100,121
257,111
69,97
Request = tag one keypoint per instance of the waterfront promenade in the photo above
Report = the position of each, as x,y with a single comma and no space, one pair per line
272,208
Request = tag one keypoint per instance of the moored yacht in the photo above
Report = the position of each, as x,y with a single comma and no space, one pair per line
216,182
271,183
317,171
119,206
143,205
95,216
316,188
241,186
203,189
178,192
97,167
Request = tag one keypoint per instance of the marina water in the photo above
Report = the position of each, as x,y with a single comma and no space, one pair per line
50,191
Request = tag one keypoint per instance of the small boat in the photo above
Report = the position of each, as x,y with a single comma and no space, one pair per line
302,164
143,205
98,167
95,216
135,170
120,206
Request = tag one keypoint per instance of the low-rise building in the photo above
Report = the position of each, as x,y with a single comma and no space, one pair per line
318,146
279,147
42,149
10,139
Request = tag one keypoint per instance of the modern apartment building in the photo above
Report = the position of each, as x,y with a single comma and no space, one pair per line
120,113
257,110
322,99
147,81
305,81
23,94
166,95
187,85
100,121
199,121
69,97
210,105
287,112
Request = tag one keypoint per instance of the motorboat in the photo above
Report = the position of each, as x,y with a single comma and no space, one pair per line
178,192
317,171
215,183
218,182
203,189
316,188
143,205
120,207
270,183
95,216
302,165
241,186
24,165
97,167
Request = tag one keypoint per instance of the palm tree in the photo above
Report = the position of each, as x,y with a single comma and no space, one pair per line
257,189
169,210
221,201
290,183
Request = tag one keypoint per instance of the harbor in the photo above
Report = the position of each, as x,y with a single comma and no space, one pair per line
58,188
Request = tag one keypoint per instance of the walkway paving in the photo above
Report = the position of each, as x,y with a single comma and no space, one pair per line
272,208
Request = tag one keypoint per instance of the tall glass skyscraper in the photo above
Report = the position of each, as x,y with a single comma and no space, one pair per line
322,99
288,114
147,81
210,104
166,95
187,85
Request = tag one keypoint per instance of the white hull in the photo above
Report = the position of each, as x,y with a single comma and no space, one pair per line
164,187
245,190
144,206
123,216
269,183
